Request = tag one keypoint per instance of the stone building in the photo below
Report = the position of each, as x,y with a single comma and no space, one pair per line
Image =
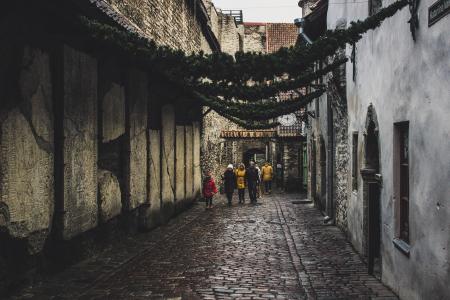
389,153
90,141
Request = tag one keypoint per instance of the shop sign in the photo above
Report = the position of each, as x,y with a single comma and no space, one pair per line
437,11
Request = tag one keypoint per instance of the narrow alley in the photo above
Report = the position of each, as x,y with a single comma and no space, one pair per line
278,249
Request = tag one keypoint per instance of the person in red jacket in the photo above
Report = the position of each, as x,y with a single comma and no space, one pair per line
209,189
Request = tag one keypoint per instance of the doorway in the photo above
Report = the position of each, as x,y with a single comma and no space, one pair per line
372,192
256,155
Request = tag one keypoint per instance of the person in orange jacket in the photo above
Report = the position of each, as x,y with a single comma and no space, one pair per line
267,176
240,182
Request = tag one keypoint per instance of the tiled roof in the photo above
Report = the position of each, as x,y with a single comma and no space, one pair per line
280,35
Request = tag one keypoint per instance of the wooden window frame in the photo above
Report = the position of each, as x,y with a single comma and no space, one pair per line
355,143
401,181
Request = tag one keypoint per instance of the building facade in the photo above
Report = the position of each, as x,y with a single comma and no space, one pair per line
390,148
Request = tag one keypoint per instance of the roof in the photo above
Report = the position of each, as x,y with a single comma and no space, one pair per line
280,35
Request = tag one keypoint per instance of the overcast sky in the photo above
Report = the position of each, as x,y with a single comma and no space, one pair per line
284,11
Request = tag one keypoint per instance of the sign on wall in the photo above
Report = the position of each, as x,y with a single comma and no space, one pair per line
437,11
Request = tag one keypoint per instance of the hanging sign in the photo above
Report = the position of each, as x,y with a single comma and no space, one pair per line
437,11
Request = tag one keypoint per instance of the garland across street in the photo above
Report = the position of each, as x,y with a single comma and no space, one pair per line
243,88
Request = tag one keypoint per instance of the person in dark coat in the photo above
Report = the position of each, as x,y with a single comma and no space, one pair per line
229,180
253,180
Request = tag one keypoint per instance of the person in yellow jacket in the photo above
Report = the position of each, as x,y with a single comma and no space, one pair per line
267,176
240,182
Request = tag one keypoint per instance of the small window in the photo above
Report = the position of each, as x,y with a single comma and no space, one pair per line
402,173
355,161
374,6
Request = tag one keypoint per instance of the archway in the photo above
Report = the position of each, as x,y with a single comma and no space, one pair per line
257,155
371,194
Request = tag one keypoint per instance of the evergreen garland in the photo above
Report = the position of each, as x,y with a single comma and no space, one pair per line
266,91
229,76
259,111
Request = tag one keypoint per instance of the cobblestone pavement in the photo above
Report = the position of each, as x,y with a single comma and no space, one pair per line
275,250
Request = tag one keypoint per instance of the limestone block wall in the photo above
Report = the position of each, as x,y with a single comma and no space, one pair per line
111,102
110,196
154,176
137,119
230,39
255,37
168,159
80,142
26,145
168,22
180,165
189,135
197,156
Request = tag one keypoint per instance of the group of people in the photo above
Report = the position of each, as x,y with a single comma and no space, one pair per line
240,179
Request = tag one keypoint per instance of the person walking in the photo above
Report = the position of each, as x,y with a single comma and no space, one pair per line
258,188
229,180
267,176
240,182
252,182
209,189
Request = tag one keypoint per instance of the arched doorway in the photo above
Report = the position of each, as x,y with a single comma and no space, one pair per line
256,155
371,194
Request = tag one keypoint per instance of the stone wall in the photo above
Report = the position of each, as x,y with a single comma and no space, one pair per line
111,93
26,145
137,124
189,134
81,158
168,22
180,165
80,205
230,38
197,138
255,37
168,160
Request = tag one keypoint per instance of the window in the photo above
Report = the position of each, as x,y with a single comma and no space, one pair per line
374,6
355,161
402,173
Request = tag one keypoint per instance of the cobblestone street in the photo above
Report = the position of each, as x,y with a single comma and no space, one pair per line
275,250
